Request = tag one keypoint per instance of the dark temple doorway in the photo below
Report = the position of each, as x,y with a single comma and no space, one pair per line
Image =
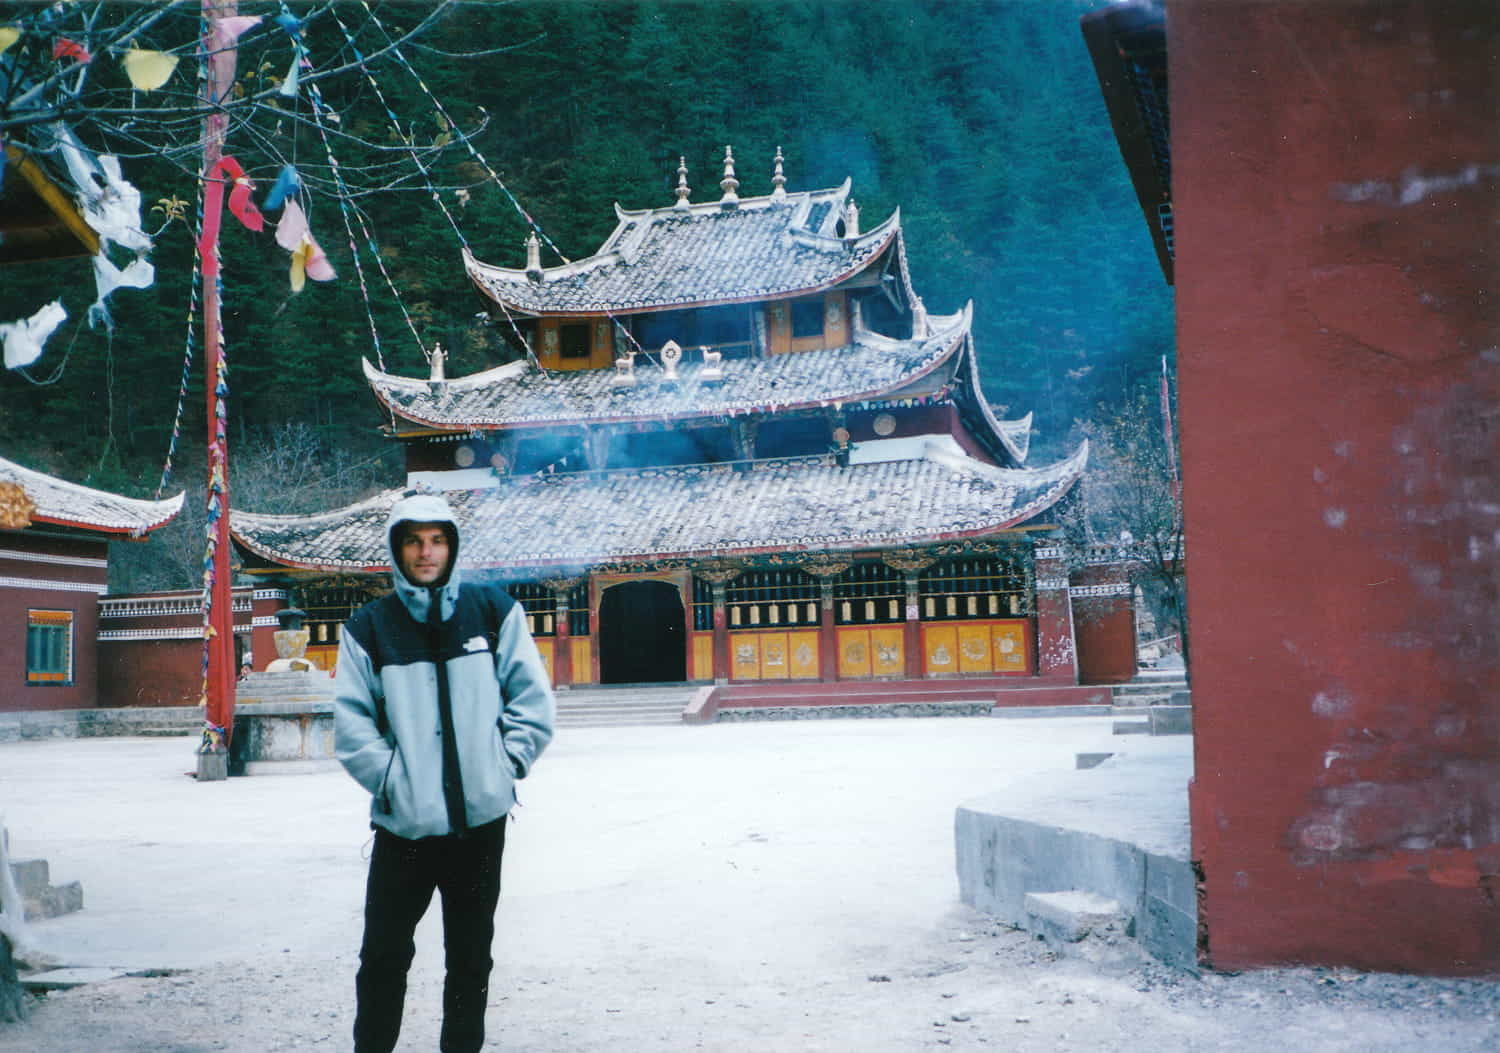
641,634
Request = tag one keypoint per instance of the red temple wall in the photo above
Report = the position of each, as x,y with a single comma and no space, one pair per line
1103,624
39,572
1335,172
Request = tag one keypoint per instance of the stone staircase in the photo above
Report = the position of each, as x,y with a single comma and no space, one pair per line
625,705
1143,705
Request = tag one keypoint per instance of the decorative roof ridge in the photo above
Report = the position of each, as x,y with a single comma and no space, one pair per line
936,349
473,266
833,243
376,377
374,501
1017,450
1019,431
794,199
151,513
1065,470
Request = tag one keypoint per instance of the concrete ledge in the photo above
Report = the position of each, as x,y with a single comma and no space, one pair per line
1071,915
1171,720
88,723
1050,711
728,714
1118,831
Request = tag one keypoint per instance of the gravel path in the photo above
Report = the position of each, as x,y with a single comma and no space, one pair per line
748,887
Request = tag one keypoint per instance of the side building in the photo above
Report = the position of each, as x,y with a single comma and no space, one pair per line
732,446
54,569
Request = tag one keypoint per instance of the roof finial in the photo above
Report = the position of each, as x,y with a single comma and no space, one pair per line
778,180
533,255
729,184
683,190
851,220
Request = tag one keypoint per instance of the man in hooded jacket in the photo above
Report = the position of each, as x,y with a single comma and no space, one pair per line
442,703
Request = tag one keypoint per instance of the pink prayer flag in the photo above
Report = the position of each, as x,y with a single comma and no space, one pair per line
227,30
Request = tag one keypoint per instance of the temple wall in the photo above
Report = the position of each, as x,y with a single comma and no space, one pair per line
39,573
1335,178
150,646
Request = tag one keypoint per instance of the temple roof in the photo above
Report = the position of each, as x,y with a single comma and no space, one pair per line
62,503
589,518
764,248
517,394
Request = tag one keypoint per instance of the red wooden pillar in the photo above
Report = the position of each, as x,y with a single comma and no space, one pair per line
1056,654
562,647
721,633
828,634
911,629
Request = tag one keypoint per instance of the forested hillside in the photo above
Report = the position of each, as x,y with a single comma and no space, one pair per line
981,120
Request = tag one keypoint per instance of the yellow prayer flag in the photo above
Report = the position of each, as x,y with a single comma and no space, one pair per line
8,36
148,70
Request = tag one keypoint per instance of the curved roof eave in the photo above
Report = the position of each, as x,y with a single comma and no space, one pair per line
872,244
380,382
969,509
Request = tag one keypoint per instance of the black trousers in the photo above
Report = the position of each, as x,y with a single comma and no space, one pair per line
465,871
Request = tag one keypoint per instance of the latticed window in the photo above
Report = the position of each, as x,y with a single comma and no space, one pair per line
329,607
976,587
869,594
762,599
703,606
578,610
540,607
49,647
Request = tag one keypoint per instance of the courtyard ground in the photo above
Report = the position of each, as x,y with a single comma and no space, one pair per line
764,887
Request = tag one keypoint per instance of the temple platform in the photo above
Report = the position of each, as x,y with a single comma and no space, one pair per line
979,696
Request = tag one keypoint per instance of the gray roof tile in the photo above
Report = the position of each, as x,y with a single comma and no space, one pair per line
72,504
518,394
585,519
763,249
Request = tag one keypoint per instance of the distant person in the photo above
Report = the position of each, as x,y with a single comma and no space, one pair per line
442,703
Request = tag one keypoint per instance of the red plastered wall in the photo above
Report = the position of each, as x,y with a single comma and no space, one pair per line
1336,172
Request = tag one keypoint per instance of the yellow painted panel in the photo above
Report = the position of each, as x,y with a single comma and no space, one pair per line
583,656
973,648
887,651
544,645
744,656
1009,642
940,648
804,655
703,656
854,653
773,656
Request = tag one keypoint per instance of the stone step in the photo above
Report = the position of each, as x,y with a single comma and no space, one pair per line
1156,687
617,722
1068,916
39,897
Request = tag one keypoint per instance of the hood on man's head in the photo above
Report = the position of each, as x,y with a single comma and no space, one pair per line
417,507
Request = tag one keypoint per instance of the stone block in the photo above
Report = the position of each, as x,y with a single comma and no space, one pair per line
213,766
1000,859
1071,915
1132,727
73,976
32,876
1171,720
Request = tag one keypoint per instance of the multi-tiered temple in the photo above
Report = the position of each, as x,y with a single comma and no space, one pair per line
733,446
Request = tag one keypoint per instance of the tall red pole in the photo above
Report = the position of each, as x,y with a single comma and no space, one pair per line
219,642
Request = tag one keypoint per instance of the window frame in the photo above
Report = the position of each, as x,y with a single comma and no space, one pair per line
40,669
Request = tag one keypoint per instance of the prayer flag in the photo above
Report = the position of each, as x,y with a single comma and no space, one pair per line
148,70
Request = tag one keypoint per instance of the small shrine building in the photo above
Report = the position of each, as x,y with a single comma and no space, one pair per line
732,446
54,569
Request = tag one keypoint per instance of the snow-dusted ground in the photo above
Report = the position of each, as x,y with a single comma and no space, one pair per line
758,887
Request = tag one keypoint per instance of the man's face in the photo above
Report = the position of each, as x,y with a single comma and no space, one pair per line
423,552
